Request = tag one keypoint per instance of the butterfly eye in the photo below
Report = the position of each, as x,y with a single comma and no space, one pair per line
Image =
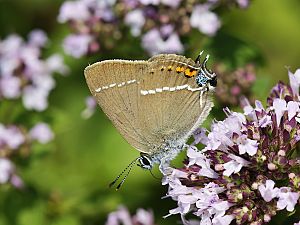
145,162
213,82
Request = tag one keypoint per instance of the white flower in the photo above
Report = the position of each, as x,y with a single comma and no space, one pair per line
279,106
153,42
35,98
222,220
55,63
247,145
267,190
171,3
144,217
10,87
73,10
232,167
136,20
206,21
91,104
198,158
149,2
294,81
6,169
287,199
11,136
37,38
42,133
77,45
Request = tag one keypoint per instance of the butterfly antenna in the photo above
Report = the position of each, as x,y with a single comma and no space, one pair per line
199,57
128,167
123,180
205,69
154,175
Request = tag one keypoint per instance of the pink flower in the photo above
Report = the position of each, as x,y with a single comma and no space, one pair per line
73,10
90,107
295,81
37,38
122,217
56,64
144,217
10,87
24,73
280,106
171,3
6,169
148,2
77,45
11,136
200,136
221,133
35,98
287,199
153,42
234,165
246,145
222,220
206,21
136,20
243,3
267,190
42,133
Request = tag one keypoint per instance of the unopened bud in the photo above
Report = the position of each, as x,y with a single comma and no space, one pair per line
271,166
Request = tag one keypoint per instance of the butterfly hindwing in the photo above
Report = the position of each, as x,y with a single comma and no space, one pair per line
114,84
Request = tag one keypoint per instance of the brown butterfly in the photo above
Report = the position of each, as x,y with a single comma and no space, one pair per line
154,104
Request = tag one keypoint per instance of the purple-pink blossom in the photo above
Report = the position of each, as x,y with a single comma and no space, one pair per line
268,191
205,20
122,216
42,133
91,105
93,22
154,43
246,171
24,73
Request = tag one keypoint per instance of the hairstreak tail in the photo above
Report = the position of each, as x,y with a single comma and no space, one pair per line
154,104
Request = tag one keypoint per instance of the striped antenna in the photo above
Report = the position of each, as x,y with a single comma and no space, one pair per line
197,61
129,167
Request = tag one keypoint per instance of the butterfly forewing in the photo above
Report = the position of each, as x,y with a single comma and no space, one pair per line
114,84
170,101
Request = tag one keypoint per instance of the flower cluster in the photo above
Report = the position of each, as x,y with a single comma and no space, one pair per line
16,140
234,85
23,74
159,23
122,216
249,168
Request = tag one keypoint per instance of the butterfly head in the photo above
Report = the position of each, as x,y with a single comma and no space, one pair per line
145,162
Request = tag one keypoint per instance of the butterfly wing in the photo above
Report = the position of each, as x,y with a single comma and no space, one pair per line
171,105
114,84
150,102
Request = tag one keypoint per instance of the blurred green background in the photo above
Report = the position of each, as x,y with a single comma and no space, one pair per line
67,180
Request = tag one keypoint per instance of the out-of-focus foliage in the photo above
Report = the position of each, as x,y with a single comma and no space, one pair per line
66,181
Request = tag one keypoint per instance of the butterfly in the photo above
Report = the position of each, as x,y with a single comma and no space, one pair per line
155,104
